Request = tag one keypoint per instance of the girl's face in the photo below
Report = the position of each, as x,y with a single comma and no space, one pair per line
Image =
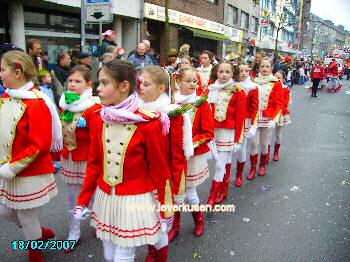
149,89
188,84
265,68
279,76
258,58
110,91
185,63
77,83
243,72
224,73
9,77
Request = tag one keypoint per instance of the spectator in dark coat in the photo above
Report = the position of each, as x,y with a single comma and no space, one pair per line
62,68
109,40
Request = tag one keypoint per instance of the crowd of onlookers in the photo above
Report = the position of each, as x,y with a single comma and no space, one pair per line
53,77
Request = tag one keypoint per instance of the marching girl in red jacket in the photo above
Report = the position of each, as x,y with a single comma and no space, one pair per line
284,119
30,129
202,134
77,106
229,105
127,162
251,119
271,106
156,94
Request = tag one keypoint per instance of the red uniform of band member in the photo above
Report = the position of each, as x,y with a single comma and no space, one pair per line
30,130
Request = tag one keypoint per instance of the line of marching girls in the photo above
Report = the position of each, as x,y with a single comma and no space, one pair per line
136,145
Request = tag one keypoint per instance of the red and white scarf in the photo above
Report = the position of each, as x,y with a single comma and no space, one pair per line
124,113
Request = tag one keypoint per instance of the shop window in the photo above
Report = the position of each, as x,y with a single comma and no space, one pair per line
254,24
244,20
34,18
232,15
65,21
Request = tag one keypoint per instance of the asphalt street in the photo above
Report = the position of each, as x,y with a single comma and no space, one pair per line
298,212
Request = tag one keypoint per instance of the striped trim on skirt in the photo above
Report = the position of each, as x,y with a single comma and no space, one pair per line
73,172
126,220
198,170
28,191
224,139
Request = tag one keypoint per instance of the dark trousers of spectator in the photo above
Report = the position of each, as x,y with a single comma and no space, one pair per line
315,83
348,74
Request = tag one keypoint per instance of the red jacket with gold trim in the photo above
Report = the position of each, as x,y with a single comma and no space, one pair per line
81,152
275,102
253,105
178,160
287,99
144,164
235,115
202,129
32,137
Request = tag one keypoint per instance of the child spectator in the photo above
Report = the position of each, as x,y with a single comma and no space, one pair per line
45,82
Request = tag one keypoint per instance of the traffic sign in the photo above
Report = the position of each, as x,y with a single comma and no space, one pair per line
97,11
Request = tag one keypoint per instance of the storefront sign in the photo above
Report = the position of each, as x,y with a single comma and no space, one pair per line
156,12
264,22
233,34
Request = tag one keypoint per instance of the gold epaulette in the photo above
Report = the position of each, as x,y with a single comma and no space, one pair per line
147,113
37,93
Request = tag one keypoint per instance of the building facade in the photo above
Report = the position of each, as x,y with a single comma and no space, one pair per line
57,24
281,26
197,23
243,19
322,36
305,17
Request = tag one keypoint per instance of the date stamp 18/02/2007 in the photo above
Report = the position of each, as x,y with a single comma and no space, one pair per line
43,245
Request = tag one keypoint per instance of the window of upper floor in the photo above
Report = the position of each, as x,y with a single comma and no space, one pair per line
232,15
244,20
254,24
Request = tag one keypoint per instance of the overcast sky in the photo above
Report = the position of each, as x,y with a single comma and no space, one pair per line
337,11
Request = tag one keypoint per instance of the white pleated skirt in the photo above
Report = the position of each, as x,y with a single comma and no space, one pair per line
224,139
27,192
198,170
128,221
284,120
73,172
263,121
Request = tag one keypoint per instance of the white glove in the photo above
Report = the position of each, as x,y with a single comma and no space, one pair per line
236,147
271,124
81,213
166,224
179,199
252,131
6,172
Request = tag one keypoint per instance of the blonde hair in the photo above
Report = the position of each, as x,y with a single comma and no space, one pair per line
182,73
21,61
162,76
